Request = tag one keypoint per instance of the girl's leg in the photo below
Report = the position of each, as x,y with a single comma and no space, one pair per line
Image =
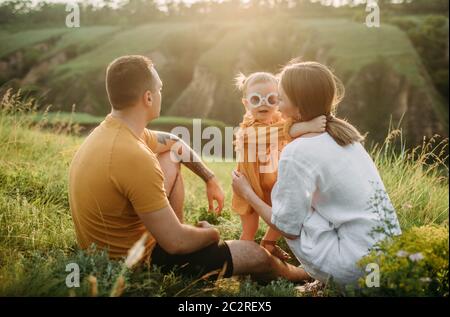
271,234
250,223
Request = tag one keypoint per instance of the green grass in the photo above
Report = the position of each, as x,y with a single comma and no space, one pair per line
37,237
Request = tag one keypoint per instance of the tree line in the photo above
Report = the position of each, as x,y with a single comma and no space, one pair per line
24,12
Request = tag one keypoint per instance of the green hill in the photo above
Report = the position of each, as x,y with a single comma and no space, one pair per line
383,73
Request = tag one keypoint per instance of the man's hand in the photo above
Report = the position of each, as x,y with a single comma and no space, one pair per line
214,192
175,237
204,224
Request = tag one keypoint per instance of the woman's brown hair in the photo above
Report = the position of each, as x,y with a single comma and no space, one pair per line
316,91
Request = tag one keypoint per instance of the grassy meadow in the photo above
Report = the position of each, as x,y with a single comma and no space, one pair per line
37,238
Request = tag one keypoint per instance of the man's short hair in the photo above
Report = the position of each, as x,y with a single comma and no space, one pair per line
127,79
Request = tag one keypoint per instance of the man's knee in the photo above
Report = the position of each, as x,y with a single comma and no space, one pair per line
167,163
250,257
170,169
267,260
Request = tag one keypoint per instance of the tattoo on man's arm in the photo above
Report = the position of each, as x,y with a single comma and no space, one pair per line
200,169
163,137
190,159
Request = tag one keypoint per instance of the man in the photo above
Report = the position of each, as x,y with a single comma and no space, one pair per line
123,182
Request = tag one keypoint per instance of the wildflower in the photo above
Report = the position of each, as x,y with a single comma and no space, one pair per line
407,206
402,253
416,257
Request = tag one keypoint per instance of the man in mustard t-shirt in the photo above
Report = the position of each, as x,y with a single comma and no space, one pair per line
123,182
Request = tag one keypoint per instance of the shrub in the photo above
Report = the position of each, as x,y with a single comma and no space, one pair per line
412,264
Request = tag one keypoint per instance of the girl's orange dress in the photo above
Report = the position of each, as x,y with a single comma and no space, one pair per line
258,147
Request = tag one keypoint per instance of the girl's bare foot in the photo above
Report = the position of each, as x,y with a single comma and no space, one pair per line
275,250
311,288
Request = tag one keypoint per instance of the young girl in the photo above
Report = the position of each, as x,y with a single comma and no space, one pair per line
258,154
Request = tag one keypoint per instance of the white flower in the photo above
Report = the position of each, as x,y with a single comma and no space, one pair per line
425,279
416,257
402,254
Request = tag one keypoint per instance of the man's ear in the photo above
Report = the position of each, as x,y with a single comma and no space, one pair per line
148,98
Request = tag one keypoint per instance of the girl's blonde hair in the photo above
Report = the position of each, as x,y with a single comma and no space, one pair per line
315,90
242,81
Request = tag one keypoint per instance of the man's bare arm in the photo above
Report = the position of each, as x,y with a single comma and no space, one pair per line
186,155
175,237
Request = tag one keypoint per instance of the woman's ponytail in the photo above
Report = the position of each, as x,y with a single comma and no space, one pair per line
342,132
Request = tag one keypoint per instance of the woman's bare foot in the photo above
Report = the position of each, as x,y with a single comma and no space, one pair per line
275,250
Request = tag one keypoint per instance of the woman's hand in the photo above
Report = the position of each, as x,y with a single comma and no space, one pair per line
240,184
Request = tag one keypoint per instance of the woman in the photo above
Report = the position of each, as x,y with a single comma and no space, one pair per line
329,200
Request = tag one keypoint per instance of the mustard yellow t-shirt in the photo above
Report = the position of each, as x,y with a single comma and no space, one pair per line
113,175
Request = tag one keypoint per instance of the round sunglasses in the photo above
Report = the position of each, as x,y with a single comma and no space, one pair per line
255,99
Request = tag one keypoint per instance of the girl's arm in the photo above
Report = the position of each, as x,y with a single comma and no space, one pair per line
316,125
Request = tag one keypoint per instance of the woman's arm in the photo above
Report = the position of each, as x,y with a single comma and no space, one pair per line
243,188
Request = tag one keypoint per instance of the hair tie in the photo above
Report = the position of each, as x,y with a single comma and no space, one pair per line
330,117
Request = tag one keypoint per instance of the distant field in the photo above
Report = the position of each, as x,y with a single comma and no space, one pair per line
354,45
82,39
85,119
25,39
139,40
